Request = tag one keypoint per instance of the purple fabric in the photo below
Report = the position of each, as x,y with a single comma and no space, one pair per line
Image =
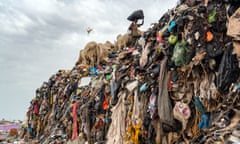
8,127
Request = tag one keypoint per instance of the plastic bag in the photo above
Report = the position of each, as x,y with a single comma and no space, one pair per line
214,49
228,70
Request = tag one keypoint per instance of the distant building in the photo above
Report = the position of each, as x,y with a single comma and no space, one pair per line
5,127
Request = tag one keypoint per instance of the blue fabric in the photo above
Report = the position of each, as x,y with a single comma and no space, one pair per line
29,129
112,87
143,87
93,71
171,26
238,86
105,120
122,68
204,123
199,105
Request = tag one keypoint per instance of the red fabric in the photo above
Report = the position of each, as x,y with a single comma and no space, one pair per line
74,114
58,79
169,81
80,67
100,123
169,85
100,67
35,108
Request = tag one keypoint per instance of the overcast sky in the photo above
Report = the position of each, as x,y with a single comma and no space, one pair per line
39,37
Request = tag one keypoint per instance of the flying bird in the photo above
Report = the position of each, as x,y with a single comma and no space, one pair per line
89,30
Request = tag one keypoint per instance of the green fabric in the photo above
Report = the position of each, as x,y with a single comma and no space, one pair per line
108,77
212,16
180,54
114,66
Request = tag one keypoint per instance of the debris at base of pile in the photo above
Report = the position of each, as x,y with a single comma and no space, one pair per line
177,83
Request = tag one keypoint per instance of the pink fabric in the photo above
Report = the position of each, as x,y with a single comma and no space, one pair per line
74,114
152,104
159,37
182,112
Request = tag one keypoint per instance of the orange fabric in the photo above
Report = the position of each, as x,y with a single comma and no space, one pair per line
105,103
209,36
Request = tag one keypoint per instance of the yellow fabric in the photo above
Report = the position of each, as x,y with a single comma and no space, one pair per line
137,130
51,99
129,128
129,133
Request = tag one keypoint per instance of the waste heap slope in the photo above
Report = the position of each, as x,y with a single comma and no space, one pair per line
179,82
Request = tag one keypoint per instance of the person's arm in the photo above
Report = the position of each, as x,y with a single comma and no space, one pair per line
141,23
130,27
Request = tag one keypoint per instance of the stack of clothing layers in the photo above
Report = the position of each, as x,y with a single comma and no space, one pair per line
179,83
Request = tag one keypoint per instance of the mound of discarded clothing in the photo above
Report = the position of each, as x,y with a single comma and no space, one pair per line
179,83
